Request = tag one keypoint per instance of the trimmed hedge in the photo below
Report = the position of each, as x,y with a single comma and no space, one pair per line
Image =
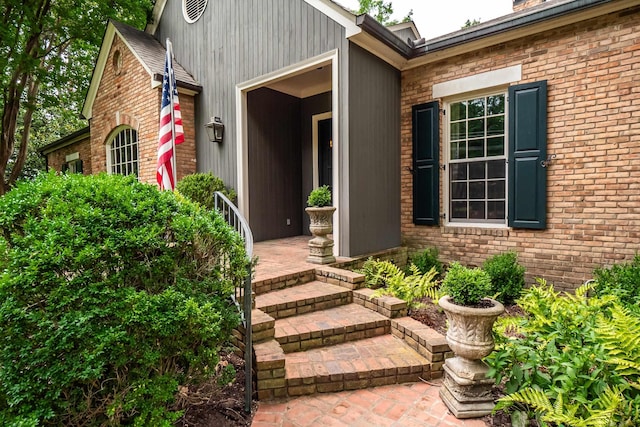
111,295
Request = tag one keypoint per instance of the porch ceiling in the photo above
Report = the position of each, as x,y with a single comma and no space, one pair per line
306,84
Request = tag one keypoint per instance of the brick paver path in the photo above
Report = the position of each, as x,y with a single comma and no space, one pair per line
398,405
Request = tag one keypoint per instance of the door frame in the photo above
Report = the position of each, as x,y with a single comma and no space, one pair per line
242,141
314,131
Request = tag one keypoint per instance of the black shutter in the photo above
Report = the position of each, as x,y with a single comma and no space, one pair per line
527,152
426,134
78,166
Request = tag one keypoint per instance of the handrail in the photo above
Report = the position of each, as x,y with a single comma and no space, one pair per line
234,218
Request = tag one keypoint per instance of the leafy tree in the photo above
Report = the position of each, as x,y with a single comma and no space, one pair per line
47,52
381,11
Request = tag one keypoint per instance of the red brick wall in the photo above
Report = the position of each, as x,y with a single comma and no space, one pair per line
56,159
127,99
593,212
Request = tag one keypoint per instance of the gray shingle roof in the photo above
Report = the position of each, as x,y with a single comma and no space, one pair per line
152,54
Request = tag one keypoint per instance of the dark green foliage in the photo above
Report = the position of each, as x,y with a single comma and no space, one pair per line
466,286
426,260
571,359
199,187
507,276
111,295
622,280
319,197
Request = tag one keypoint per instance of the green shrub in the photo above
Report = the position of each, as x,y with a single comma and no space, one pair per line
622,280
200,188
111,295
507,276
426,260
373,271
319,197
466,286
572,360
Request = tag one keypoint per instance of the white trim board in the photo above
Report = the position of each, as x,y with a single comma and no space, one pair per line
480,81
242,142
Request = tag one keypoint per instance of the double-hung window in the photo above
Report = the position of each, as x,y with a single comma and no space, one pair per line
476,154
122,153
493,155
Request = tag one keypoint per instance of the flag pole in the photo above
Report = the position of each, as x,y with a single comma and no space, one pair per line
171,106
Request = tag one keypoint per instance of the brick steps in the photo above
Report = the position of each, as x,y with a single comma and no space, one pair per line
365,363
327,327
302,299
328,335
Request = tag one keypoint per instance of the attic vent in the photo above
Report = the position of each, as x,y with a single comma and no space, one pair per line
192,9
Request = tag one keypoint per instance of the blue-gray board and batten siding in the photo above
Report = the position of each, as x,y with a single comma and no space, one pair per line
239,40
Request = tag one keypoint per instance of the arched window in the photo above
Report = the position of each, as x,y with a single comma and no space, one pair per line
122,153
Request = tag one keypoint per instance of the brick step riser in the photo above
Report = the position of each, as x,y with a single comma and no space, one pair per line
294,308
288,281
317,339
354,381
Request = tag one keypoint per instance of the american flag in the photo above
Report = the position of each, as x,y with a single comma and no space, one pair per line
171,131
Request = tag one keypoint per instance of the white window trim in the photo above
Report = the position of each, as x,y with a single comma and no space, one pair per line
109,143
478,82
447,156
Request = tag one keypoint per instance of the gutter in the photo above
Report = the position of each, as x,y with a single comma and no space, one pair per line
382,33
64,141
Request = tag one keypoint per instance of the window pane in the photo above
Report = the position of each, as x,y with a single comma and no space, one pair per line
459,210
495,146
459,111
495,125
458,150
495,189
476,128
476,170
476,148
495,105
458,171
476,190
495,210
476,210
476,108
458,131
459,190
496,169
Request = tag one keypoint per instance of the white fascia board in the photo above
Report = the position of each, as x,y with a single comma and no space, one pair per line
101,64
156,14
338,14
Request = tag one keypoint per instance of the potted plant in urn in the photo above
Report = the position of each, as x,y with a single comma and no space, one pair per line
321,225
470,313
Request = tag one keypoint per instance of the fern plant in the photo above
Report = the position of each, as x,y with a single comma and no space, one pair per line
573,359
411,287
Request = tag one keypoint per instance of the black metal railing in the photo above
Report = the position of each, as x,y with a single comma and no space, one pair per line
242,296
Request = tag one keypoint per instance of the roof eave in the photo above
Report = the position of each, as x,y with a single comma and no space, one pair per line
66,140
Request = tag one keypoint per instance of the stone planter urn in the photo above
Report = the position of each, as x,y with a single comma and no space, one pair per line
466,389
321,224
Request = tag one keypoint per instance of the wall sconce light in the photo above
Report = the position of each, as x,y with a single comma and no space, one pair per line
215,129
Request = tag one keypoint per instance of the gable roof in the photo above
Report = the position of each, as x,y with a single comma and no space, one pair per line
147,50
72,138
546,16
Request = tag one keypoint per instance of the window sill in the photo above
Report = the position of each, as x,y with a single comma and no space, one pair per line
494,230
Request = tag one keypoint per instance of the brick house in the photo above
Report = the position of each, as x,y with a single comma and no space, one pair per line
521,133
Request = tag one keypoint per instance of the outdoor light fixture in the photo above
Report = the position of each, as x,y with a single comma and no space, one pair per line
215,129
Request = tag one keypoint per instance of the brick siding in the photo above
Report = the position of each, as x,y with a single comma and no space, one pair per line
57,158
593,190
127,99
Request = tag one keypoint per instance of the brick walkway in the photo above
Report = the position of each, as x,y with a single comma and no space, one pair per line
399,405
